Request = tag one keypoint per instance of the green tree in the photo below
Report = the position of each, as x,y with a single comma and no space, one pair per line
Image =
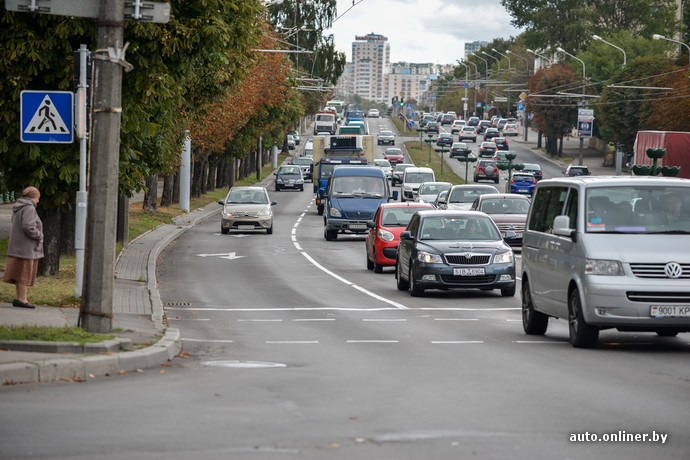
625,111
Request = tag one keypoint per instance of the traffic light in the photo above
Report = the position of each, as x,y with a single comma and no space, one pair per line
401,103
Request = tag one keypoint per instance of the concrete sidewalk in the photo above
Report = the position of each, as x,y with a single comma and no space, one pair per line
142,341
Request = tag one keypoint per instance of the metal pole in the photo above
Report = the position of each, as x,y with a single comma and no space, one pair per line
186,173
584,101
97,303
82,197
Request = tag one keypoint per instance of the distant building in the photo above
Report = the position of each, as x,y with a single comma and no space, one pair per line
371,61
371,75
471,47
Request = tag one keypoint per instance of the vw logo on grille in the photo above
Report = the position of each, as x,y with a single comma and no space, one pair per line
673,270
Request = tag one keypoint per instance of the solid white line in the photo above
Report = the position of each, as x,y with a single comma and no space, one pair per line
452,342
456,319
372,341
465,309
230,310
299,342
392,320
349,283
260,320
538,341
514,320
313,319
207,340
189,319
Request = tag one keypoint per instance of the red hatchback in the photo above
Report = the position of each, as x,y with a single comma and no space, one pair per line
390,221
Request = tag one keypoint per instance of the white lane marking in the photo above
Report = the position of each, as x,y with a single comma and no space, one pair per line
456,319
290,342
189,319
453,342
337,309
466,309
206,340
349,283
313,319
514,320
373,341
294,230
391,320
259,320
539,341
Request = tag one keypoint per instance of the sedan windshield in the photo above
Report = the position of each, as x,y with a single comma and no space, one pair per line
459,228
505,206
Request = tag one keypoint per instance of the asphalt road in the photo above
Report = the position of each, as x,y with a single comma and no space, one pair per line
296,350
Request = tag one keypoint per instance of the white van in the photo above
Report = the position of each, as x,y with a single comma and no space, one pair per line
309,149
412,178
608,252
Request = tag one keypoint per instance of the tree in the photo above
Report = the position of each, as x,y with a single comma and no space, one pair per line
554,113
625,111
571,23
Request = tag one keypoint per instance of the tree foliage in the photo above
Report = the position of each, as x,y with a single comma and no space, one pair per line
571,23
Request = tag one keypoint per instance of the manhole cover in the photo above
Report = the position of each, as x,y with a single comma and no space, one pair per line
242,364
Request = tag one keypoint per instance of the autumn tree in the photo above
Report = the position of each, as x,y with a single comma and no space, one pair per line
553,111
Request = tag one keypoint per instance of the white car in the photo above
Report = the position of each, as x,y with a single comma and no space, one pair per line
386,166
412,178
290,142
468,132
510,129
373,113
457,126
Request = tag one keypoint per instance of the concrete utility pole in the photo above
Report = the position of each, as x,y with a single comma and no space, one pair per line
97,303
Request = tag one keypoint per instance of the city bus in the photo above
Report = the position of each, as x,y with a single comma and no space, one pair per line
339,108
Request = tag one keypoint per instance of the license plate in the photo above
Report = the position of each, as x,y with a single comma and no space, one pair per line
468,271
245,227
358,226
522,190
670,311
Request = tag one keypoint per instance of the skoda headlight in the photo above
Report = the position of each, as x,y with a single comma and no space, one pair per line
429,258
603,267
335,212
279,180
504,257
265,212
385,235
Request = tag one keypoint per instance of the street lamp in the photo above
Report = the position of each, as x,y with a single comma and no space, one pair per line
501,54
467,74
474,90
498,61
487,75
661,37
583,94
539,55
597,37
523,58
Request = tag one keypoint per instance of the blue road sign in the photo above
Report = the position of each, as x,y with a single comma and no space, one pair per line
411,124
409,106
47,116
521,107
467,84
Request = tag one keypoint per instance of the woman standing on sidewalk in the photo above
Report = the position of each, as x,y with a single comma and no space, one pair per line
25,246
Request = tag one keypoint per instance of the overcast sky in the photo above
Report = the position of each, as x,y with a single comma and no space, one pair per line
422,30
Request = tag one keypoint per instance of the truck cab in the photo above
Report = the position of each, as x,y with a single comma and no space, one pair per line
352,197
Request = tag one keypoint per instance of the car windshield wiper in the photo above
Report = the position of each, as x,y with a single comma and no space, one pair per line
670,232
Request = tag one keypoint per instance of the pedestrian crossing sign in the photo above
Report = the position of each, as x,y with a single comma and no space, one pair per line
47,116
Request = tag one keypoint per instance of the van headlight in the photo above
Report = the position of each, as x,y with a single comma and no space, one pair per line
504,257
335,212
429,258
603,267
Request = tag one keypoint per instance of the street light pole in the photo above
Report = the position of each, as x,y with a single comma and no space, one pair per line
505,56
467,74
474,90
539,55
661,37
487,74
582,140
523,58
597,37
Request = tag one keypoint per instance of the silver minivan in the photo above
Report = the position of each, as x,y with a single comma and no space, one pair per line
608,252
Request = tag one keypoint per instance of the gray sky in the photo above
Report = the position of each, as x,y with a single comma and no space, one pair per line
422,30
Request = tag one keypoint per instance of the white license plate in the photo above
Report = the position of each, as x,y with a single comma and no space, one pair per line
358,226
245,227
468,271
670,311
523,190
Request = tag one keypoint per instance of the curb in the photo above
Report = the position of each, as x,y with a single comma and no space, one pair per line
83,367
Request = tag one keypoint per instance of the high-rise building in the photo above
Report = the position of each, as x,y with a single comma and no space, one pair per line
471,47
371,61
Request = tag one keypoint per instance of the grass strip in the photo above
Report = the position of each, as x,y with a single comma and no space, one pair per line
51,334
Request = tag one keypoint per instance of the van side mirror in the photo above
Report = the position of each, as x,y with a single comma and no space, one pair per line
561,227
406,235
221,202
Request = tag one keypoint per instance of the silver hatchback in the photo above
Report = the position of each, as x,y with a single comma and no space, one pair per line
247,208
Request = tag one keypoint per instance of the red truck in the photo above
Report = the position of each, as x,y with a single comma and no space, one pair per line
676,143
